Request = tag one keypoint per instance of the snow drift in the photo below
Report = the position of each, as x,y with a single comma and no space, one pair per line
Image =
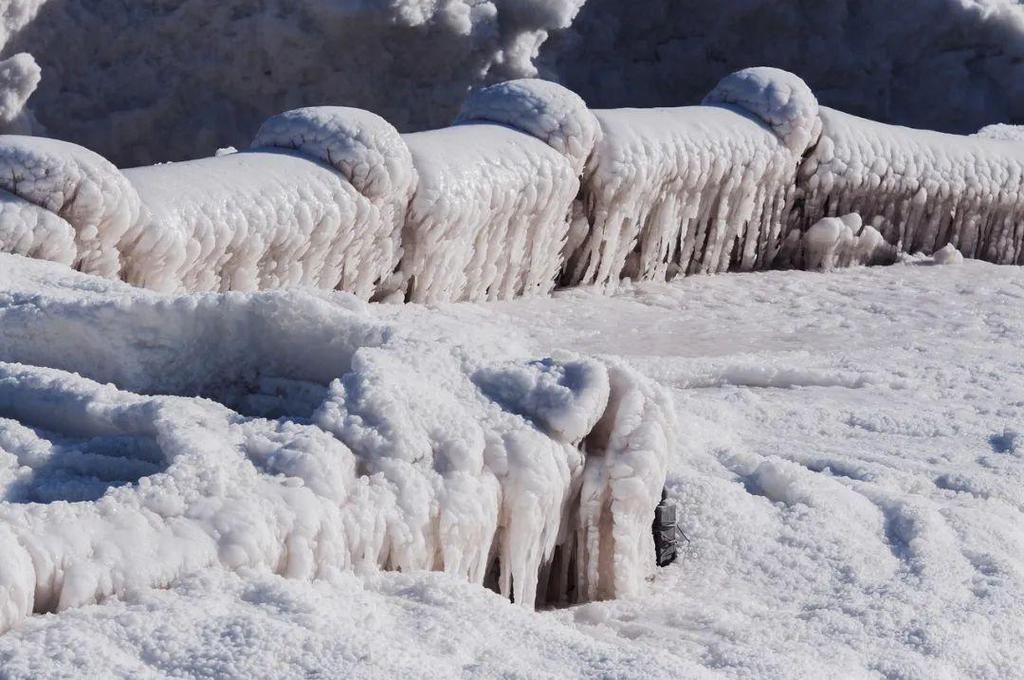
697,189
493,204
329,438
920,189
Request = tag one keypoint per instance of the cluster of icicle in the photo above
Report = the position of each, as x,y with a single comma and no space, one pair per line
365,444
527,190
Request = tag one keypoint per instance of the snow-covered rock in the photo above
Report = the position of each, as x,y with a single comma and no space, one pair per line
834,242
947,254
330,438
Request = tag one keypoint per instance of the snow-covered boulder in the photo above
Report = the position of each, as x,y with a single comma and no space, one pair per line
695,189
330,436
81,189
318,202
26,229
922,189
495,194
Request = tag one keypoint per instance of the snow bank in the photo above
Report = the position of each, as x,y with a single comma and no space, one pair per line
1008,133
695,189
419,444
495,194
921,189
270,219
81,188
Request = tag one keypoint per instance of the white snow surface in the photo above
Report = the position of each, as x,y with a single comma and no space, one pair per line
849,476
1007,133
310,435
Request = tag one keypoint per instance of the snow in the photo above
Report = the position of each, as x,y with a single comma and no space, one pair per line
848,477
921,189
1008,133
947,254
304,434
833,242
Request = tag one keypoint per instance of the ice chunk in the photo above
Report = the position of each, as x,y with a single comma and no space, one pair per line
26,229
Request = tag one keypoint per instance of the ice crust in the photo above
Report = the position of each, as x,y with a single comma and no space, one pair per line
529,189
330,438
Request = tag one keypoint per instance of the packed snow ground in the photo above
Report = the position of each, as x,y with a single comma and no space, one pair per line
849,478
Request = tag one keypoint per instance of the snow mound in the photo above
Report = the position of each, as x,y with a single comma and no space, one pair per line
834,242
679,191
26,229
922,189
81,188
551,113
339,440
779,98
489,216
947,254
19,77
361,145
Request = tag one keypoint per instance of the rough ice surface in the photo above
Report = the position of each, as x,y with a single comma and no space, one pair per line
948,254
780,99
319,202
546,110
330,437
1008,133
680,191
921,189
19,76
77,186
493,205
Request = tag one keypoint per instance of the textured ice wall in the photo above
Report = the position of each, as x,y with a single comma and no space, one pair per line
341,440
495,194
920,189
270,219
697,189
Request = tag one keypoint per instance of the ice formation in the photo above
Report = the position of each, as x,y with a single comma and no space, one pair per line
341,440
696,189
275,216
493,204
834,242
921,189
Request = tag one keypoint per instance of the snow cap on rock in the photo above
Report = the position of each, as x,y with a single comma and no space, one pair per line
361,145
779,98
553,114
